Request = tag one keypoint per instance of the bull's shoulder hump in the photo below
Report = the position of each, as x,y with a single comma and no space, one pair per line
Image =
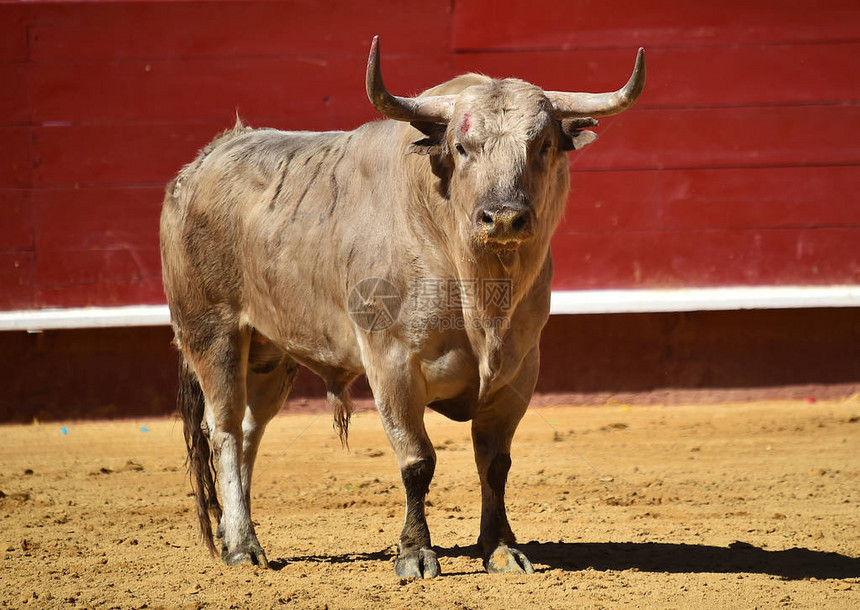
266,137
267,148
279,141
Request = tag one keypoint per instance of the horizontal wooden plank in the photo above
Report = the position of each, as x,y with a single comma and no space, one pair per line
733,198
695,76
668,259
613,201
17,284
16,228
105,294
68,267
725,137
135,154
760,198
15,164
203,89
182,90
96,219
235,29
521,24
116,155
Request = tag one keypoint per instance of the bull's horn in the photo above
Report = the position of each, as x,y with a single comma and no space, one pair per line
435,109
569,105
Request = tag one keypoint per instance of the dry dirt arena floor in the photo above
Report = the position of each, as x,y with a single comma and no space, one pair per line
733,506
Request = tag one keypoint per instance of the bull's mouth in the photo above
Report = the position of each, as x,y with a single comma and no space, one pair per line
484,241
504,246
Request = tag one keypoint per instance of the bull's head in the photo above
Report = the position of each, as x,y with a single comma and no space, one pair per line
498,146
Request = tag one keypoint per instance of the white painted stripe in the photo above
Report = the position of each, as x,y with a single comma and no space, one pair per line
85,317
563,302
703,299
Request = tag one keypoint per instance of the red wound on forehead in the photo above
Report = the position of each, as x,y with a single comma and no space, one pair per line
466,122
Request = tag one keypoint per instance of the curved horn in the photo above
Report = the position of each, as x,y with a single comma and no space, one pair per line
435,109
569,105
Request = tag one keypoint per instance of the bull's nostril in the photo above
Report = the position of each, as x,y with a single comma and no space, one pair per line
487,219
519,223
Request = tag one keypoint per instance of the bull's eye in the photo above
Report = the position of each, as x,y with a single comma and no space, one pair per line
547,146
461,150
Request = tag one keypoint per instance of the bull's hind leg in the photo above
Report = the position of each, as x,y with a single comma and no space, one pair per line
221,367
270,376
492,431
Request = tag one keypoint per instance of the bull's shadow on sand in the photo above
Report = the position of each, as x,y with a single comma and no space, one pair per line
738,557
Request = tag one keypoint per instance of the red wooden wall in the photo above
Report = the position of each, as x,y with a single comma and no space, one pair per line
738,166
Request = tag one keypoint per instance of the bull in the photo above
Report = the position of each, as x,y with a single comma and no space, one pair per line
415,251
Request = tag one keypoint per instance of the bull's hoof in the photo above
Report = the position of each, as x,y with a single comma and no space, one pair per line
250,557
505,560
418,563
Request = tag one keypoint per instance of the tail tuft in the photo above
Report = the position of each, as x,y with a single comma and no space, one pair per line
342,405
201,470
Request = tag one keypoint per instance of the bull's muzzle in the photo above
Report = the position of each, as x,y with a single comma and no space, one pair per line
504,226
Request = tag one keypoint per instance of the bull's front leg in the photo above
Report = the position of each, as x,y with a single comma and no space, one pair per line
492,431
415,556
401,407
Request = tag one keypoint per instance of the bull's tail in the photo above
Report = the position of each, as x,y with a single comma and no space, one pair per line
341,403
201,470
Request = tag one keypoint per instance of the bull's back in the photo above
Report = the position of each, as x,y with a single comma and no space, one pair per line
210,207
266,225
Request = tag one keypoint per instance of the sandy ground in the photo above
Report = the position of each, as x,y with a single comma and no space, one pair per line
732,506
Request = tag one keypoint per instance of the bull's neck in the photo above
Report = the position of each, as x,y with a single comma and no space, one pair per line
518,268
492,284
499,283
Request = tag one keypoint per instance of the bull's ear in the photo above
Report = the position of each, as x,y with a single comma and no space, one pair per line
442,167
432,144
573,134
